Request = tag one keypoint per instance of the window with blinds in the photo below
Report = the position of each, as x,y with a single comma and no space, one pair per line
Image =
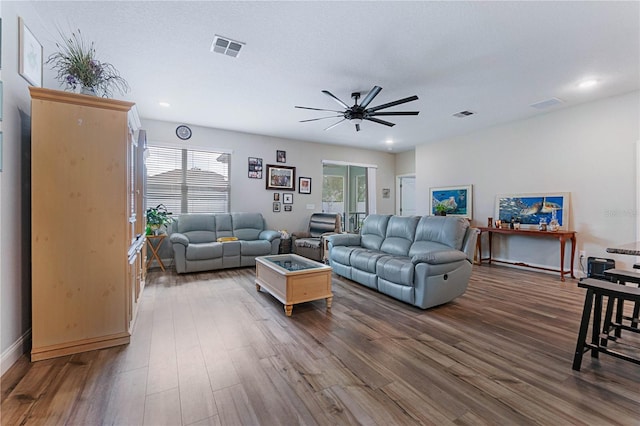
187,181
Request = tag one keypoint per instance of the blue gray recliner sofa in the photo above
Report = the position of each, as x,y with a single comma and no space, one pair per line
425,261
196,247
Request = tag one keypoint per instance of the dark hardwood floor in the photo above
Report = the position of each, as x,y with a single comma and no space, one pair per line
209,349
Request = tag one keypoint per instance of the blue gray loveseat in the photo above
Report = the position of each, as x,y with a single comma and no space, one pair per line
196,247
425,261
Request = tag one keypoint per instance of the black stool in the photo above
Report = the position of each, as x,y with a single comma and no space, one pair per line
622,276
596,291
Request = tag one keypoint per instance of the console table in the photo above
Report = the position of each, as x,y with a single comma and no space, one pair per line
563,236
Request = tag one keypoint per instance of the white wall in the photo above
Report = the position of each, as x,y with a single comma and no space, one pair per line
15,290
587,150
250,195
406,162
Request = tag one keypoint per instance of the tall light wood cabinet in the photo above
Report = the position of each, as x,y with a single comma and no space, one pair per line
87,222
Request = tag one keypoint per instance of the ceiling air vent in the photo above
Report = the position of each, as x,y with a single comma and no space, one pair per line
463,114
226,46
547,103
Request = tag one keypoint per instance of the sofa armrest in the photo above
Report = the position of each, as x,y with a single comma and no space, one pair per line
469,243
179,239
269,235
439,257
344,239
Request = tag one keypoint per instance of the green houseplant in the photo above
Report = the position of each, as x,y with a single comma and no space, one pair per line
441,209
157,218
76,66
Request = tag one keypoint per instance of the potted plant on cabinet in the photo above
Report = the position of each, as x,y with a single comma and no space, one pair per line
158,218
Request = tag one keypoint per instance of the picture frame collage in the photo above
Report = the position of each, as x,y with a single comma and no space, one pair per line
279,177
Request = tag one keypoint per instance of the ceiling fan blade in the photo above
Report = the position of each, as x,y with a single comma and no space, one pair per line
372,94
321,118
357,127
395,113
334,125
328,93
317,109
375,120
394,103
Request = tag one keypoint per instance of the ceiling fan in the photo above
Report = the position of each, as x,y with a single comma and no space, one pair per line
357,113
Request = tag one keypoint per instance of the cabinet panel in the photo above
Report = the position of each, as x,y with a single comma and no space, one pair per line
80,222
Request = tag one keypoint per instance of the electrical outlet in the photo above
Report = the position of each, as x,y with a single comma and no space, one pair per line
583,254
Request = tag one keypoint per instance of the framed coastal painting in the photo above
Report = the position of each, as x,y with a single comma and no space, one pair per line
30,57
453,200
530,208
281,177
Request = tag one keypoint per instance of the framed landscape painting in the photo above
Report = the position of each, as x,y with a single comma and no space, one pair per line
530,208
454,200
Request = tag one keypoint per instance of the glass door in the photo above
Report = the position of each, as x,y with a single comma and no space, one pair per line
344,191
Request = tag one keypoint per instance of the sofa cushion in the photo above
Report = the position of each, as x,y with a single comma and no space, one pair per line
399,237
199,237
224,225
373,231
255,248
342,254
396,269
195,222
448,230
421,247
202,251
365,260
439,257
247,226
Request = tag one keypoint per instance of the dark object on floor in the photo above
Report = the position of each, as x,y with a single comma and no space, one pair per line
596,267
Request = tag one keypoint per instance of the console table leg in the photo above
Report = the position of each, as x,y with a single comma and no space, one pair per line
329,302
561,258
573,253
288,309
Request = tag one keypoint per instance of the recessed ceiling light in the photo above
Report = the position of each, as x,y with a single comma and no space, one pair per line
389,142
587,84
164,104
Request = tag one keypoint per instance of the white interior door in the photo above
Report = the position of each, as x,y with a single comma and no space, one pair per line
407,191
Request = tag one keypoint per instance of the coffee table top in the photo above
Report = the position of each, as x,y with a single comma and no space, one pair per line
291,263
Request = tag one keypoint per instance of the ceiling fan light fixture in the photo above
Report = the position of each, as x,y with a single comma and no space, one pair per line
357,120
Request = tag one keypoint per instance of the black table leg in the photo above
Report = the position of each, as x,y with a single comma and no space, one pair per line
582,334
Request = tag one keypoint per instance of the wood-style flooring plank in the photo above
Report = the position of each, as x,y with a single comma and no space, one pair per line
208,349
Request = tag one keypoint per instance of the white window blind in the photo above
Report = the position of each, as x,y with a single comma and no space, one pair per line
187,181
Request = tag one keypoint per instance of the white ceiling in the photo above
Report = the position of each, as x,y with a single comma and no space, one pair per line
492,58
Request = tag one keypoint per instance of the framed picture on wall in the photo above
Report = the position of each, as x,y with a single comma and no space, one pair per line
281,177
276,206
288,208
287,198
304,185
255,168
30,56
453,200
281,156
530,208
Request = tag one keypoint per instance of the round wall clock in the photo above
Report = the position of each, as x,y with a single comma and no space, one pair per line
183,132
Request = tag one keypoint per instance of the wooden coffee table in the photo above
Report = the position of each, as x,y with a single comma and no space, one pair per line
294,279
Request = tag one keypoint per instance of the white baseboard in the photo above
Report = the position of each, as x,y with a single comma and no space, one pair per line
14,352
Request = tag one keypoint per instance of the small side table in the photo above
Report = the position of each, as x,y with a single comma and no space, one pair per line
154,249
285,246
